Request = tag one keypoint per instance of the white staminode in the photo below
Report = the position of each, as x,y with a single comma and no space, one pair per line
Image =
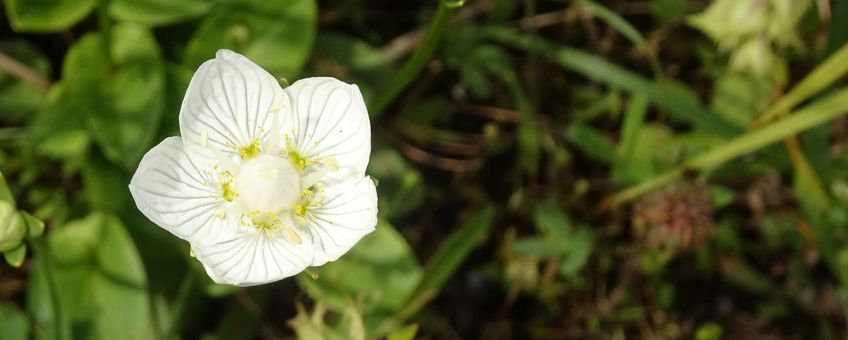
264,182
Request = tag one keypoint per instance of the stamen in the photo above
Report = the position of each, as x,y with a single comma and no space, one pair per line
227,191
250,151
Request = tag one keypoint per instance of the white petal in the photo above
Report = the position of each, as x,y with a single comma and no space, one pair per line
174,191
348,213
329,119
254,256
230,103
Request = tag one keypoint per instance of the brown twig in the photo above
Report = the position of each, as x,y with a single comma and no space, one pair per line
23,72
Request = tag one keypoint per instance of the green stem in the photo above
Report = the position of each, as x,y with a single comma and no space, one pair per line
180,303
41,252
418,60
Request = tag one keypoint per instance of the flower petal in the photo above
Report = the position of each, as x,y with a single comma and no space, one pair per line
231,103
254,256
348,213
174,191
329,119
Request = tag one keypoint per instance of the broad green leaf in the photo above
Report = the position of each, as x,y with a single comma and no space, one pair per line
120,91
381,259
15,257
46,15
158,12
58,130
448,256
276,35
101,290
105,185
13,323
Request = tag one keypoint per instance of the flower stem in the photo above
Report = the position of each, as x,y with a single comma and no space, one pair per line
418,60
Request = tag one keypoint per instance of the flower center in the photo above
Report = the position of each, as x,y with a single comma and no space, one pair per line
268,184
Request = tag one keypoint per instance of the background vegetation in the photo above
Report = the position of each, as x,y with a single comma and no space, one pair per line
547,169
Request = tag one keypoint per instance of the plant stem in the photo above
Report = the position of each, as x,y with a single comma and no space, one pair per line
418,60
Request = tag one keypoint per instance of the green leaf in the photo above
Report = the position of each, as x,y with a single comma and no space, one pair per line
35,227
277,35
105,186
721,196
46,15
120,91
100,283
13,323
5,193
591,142
15,257
738,97
540,246
549,219
634,118
406,333
12,228
158,12
381,259
578,249
362,63
448,256
829,71
58,130
680,101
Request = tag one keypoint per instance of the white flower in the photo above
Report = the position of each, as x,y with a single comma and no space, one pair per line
264,182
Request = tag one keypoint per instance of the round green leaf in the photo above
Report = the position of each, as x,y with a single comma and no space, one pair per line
120,92
157,12
381,268
277,35
102,295
46,15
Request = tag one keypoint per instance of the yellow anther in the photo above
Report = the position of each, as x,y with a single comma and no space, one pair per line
227,190
300,208
267,221
250,151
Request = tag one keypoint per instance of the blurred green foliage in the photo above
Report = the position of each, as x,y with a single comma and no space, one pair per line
529,155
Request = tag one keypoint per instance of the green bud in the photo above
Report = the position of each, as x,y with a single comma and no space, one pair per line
12,228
